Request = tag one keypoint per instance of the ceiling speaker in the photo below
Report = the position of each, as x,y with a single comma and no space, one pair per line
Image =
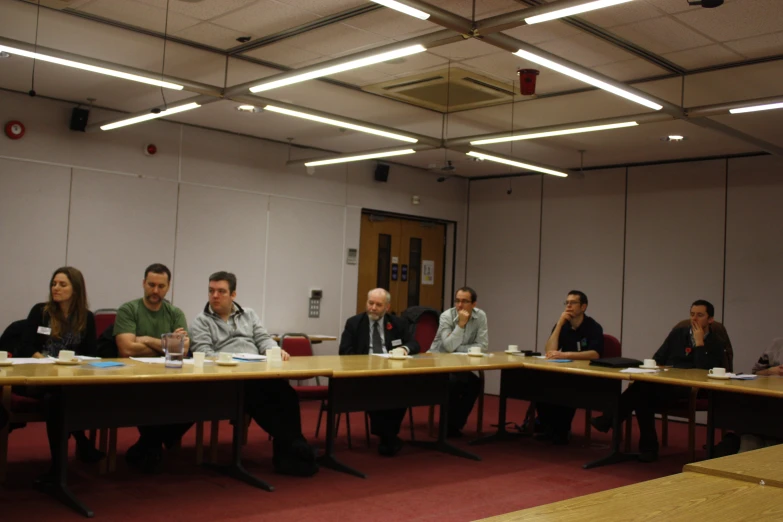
381,173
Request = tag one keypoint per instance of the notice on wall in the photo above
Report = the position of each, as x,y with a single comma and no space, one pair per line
427,272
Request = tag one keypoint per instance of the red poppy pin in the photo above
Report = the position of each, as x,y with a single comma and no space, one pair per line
687,351
388,326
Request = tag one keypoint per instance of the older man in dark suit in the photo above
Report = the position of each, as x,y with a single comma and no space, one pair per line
375,331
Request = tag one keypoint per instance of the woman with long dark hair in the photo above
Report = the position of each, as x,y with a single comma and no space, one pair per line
64,322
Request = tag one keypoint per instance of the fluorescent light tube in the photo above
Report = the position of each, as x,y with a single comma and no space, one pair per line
91,68
587,79
754,108
519,164
555,133
150,116
341,124
570,11
391,4
334,69
359,158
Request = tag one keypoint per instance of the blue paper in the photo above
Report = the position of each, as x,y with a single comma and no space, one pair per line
559,360
106,364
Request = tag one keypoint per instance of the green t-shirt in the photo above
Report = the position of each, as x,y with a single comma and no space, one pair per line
133,317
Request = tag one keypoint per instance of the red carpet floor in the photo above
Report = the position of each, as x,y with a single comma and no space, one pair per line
417,485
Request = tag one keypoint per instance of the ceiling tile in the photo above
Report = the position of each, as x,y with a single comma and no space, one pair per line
759,46
484,8
586,50
362,77
764,125
139,15
703,57
284,54
203,10
503,66
737,20
633,69
537,33
621,14
264,18
391,24
336,39
325,7
661,35
410,64
459,51
676,6
210,34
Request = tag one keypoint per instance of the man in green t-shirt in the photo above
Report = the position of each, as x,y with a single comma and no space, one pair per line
137,330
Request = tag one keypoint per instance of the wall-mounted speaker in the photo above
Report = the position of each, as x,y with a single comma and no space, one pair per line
382,173
79,119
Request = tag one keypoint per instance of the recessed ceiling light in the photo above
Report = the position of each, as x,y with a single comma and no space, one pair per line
247,108
4,54
673,137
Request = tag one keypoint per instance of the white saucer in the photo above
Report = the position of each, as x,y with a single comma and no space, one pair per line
719,377
226,363
476,354
643,367
512,351
9,362
72,362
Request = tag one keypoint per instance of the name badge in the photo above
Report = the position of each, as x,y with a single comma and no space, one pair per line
397,342
44,330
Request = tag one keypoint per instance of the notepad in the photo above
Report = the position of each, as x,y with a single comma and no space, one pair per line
742,377
106,364
639,370
249,357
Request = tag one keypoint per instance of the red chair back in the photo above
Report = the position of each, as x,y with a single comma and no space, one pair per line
296,344
612,347
425,330
104,318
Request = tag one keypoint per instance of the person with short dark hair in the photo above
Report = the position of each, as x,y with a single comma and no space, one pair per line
459,329
687,347
574,336
137,331
224,326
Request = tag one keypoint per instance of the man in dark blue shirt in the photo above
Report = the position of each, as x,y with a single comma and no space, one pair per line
686,347
575,336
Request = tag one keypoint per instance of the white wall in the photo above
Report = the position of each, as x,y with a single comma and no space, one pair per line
641,250
207,201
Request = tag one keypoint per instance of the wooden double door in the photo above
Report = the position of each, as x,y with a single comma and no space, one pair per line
405,257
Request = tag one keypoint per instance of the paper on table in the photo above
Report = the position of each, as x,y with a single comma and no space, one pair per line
388,356
157,360
742,376
31,360
249,357
639,370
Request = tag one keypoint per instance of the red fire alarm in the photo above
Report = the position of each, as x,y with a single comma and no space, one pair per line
14,130
150,149
527,81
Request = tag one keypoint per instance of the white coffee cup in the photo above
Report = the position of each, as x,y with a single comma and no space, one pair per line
650,363
718,372
225,357
67,355
513,348
3,356
475,350
198,359
274,354
398,352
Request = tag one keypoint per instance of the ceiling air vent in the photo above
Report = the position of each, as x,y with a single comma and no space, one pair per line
458,89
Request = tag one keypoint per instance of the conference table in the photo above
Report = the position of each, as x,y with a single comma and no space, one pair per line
574,384
761,466
682,497
362,383
138,394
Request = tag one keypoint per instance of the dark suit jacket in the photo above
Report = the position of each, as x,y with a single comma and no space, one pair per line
356,336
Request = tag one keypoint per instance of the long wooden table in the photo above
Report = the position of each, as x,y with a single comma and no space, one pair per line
139,394
684,497
362,383
758,466
575,384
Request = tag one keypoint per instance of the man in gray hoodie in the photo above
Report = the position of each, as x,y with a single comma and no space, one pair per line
224,326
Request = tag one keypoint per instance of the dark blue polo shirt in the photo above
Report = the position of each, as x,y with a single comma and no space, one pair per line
589,336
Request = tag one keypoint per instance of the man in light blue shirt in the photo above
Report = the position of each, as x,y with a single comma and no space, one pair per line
460,329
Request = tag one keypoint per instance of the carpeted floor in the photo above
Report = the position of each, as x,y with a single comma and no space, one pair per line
417,485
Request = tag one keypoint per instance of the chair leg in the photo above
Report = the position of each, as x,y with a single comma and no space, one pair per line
103,446
199,442
410,422
213,441
5,395
367,428
431,422
320,415
245,429
348,428
112,466
93,436
664,430
692,426
480,414
628,433
530,418
588,427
